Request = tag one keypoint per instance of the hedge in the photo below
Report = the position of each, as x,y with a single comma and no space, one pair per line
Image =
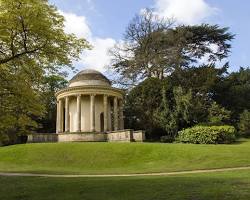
207,135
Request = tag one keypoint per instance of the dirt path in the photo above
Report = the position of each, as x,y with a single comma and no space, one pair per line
125,175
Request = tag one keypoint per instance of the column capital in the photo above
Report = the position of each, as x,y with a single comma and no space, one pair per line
92,94
60,99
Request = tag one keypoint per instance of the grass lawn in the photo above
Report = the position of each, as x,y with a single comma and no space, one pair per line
117,158
216,186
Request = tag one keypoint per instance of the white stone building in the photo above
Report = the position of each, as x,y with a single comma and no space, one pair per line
89,109
89,104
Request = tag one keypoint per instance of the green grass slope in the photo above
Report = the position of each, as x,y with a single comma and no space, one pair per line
220,186
117,158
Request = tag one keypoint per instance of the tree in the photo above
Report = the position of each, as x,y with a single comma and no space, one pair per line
133,59
233,92
244,123
33,45
19,103
140,105
203,79
174,113
160,108
155,47
33,30
50,86
218,115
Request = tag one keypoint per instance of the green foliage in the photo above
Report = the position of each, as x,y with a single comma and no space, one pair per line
167,139
187,97
174,112
202,79
33,30
233,92
19,103
33,45
50,85
162,109
217,115
244,123
207,135
140,105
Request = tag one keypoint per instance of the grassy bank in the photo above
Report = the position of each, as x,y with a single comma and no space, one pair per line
115,158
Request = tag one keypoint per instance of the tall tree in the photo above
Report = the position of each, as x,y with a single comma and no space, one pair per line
155,47
33,44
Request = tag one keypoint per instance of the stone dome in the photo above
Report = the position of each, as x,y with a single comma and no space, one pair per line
89,77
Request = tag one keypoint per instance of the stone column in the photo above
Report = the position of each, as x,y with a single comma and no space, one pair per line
121,118
60,116
115,114
57,117
66,114
78,112
105,112
92,112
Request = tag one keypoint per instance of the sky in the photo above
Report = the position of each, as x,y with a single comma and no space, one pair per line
103,23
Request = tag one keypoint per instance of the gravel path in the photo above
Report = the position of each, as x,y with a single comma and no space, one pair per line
124,175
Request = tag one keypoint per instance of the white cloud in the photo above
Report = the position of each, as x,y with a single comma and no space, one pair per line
96,58
76,24
184,11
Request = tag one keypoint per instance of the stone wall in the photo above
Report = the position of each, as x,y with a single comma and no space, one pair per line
127,135
120,136
139,136
79,137
38,138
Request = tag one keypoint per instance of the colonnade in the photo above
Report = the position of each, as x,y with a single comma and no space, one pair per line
63,124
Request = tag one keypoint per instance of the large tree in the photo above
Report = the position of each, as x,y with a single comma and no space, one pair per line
154,47
33,45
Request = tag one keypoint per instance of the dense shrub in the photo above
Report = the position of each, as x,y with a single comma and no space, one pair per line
167,139
207,135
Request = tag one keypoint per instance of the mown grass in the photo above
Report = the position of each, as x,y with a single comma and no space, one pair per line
118,158
207,186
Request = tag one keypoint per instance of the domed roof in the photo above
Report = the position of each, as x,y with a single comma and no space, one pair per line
89,77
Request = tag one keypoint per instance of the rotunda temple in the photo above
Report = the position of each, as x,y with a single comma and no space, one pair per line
89,109
89,104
